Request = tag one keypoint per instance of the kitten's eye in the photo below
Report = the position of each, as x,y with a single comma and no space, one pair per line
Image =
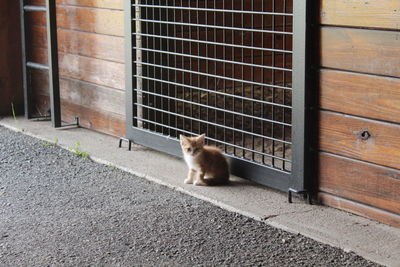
189,149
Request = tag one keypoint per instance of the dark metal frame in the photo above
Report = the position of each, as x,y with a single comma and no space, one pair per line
301,95
294,182
52,67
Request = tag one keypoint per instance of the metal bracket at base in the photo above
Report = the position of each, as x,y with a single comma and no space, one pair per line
305,193
75,123
127,140
40,118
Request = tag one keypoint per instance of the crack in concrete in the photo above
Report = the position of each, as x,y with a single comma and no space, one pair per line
265,218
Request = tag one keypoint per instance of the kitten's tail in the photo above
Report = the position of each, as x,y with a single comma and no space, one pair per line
221,180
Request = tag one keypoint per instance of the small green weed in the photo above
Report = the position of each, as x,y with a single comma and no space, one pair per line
78,152
15,116
47,144
55,143
13,112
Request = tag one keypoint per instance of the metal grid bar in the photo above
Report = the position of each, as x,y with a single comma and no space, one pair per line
214,124
215,69
212,26
170,138
224,74
242,74
216,92
212,75
273,81
35,8
263,81
233,86
252,78
284,81
215,10
175,64
198,54
38,66
191,75
215,59
208,71
211,139
212,107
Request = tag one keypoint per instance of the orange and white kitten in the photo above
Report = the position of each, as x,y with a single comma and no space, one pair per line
207,165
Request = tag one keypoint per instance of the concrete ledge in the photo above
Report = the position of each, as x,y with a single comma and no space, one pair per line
370,239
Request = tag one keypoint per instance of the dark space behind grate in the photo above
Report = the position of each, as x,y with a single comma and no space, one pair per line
223,68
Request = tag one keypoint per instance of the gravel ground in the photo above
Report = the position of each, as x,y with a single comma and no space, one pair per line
61,209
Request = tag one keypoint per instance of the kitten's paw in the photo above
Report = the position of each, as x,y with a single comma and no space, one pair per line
201,183
188,181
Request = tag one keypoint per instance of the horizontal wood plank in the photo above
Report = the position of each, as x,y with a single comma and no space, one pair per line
341,134
99,98
97,71
82,43
91,119
110,4
361,50
364,95
88,118
360,209
359,181
91,20
371,13
92,70
95,20
92,45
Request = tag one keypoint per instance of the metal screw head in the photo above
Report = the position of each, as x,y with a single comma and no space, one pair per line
364,135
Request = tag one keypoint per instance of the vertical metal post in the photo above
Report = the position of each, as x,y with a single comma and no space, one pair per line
129,94
27,91
54,84
301,90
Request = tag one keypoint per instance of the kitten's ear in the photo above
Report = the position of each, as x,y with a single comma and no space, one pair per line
182,138
201,139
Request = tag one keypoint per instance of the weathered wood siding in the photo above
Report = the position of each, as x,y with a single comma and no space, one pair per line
91,59
360,91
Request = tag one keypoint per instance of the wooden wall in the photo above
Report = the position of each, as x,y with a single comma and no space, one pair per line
360,91
11,90
91,59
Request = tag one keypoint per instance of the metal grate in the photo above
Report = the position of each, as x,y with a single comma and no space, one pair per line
218,67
